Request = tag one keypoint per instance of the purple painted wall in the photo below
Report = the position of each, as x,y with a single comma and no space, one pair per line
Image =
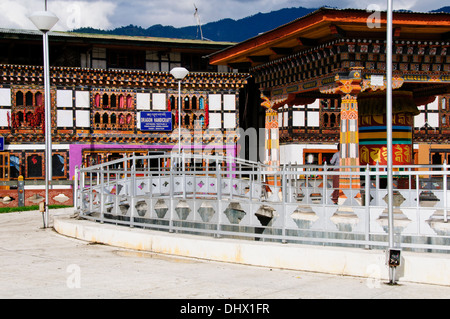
76,151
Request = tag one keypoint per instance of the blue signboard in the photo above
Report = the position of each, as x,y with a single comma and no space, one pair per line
156,121
2,143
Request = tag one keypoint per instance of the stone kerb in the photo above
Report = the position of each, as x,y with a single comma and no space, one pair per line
370,264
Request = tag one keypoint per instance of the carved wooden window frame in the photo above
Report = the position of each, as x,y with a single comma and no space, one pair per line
65,156
193,112
21,164
27,156
123,106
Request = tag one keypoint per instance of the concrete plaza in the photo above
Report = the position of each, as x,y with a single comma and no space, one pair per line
40,263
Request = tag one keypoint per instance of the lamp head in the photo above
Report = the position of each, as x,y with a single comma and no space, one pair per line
44,20
179,73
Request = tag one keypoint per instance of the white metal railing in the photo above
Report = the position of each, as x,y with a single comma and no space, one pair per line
223,197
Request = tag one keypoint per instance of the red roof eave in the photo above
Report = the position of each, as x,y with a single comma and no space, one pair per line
316,18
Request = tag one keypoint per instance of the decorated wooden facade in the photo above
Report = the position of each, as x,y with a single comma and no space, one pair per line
96,117
96,107
337,58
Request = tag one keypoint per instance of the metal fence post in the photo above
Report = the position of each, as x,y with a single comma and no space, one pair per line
324,182
284,197
307,190
75,188
172,192
194,178
116,198
82,186
377,181
230,175
132,193
91,200
444,176
219,197
183,166
101,194
367,203
417,192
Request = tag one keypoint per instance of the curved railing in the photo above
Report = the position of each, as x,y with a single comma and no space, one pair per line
229,197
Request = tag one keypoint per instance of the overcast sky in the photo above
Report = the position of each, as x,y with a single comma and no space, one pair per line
109,14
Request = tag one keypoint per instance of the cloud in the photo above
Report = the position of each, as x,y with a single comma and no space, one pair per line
13,14
363,4
178,13
109,14
71,14
181,13
147,13
77,14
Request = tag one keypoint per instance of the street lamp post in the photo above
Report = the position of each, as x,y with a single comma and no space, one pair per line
45,21
389,133
179,74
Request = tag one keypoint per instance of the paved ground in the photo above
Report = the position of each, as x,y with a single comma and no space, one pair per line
39,263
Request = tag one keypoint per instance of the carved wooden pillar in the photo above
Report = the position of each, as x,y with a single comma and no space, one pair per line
272,138
348,87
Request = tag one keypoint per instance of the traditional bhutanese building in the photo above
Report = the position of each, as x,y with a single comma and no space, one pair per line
324,74
103,90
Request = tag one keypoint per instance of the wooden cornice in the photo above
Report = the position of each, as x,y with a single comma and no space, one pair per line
65,76
337,32
327,24
282,51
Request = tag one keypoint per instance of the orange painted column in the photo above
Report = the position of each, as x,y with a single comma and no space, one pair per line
272,138
349,87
